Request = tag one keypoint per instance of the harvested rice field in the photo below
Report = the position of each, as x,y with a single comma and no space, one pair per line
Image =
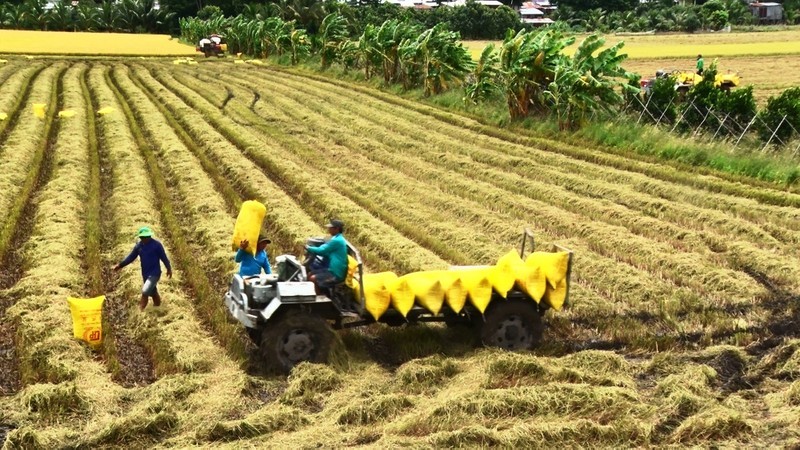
683,328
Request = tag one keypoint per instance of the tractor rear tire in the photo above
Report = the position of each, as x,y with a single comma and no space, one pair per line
254,334
512,325
296,337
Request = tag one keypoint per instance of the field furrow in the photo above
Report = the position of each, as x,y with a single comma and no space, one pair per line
127,358
63,378
550,167
674,173
14,92
319,158
383,246
649,255
527,161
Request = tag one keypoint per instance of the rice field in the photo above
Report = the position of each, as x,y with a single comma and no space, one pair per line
26,42
683,329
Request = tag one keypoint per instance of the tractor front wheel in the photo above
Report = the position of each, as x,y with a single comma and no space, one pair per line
294,338
512,325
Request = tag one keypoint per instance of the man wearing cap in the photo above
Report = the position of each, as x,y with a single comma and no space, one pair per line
250,265
151,253
335,250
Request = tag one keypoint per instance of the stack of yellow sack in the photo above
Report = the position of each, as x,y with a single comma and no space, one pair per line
554,268
543,277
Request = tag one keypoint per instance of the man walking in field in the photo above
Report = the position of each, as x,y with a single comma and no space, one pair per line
699,64
151,253
335,251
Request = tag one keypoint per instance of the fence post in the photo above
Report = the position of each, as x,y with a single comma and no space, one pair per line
665,112
680,119
703,121
752,121
773,135
720,125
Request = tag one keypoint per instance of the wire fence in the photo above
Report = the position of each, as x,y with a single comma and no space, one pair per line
725,128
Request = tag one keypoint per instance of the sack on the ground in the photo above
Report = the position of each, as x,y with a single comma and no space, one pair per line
87,319
248,225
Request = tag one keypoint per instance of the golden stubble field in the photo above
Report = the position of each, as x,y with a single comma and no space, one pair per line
683,329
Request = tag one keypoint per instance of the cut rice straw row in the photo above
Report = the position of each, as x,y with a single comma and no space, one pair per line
389,247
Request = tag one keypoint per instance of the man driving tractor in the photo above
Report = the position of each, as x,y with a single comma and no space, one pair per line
335,252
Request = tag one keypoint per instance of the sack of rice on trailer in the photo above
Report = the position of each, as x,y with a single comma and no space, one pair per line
455,294
427,290
554,266
479,289
377,297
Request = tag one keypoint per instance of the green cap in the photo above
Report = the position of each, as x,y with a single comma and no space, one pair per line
145,232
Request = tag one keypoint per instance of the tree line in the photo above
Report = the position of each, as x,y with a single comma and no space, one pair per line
529,69
127,16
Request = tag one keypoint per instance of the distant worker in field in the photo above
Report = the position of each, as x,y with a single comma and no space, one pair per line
699,64
335,251
249,265
203,43
151,253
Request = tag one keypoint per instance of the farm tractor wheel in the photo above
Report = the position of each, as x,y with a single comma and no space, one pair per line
295,338
512,325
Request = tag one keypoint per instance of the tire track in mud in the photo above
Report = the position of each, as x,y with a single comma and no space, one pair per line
19,229
128,360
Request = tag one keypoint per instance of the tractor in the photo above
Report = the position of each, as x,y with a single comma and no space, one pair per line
291,323
684,80
213,45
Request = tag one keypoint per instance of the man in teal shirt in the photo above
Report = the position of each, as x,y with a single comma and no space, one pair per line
335,251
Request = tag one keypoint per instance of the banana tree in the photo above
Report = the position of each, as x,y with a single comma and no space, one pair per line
437,57
299,44
483,82
332,33
589,82
528,62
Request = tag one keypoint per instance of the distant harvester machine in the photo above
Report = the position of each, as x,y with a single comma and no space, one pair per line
213,45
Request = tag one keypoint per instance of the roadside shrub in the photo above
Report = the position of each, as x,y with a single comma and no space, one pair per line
786,104
662,100
739,106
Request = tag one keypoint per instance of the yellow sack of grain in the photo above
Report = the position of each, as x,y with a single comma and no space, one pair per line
377,297
66,113
39,109
402,295
455,294
528,279
238,61
479,289
3,61
104,111
248,225
427,290
352,267
531,280
87,319
556,296
191,62
179,61
503,275
3,116
255,62
553,264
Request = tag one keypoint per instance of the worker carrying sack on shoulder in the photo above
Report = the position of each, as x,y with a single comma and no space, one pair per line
87,319
248,225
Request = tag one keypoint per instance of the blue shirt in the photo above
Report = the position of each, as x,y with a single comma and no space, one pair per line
336,252
150,254
252,265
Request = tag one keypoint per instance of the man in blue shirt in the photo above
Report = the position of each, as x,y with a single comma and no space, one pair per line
335,250
151,253
250,265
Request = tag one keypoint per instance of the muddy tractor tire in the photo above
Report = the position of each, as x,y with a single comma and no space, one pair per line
294,338
512,325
